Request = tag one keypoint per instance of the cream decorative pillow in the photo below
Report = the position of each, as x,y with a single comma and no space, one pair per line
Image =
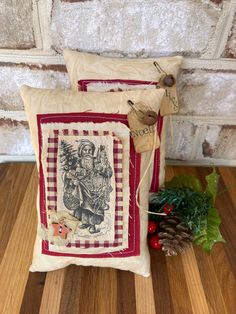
91,205
90,72
83,66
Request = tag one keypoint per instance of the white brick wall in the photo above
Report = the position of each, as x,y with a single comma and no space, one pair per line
230,49
135,27
14,138
15,75
207,92
16,29
34,33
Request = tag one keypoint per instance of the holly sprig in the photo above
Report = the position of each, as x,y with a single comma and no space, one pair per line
193,205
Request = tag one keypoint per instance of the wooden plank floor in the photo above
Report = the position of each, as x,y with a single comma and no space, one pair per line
192,283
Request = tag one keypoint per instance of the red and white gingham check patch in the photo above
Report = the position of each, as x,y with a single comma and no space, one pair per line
51,184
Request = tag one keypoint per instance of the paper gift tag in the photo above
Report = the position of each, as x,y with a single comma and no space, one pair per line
143,135
167,81
169,104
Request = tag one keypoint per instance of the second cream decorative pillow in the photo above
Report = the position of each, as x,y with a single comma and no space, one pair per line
90,72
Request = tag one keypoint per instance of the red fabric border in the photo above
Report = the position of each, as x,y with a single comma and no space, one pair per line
134,217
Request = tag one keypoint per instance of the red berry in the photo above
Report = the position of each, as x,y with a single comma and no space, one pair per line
152,227
168,208
154,242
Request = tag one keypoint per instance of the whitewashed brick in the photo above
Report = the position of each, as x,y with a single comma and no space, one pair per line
204,92
16,21
14,76
230,49
182,145
14,138
219,142
225,146
135,27
209,141
198,141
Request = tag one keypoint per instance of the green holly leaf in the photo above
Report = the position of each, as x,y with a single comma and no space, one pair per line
212,184
185,182
210,232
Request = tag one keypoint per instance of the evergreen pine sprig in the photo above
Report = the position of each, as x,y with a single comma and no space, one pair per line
192,205
67,156
189,205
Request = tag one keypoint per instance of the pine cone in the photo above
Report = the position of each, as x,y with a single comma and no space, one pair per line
174,236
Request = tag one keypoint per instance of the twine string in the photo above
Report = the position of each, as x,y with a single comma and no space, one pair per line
147,168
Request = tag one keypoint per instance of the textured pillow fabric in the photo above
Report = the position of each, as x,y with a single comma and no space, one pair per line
83,66
89,176
135,73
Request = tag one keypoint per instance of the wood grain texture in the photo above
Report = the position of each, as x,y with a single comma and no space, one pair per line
125,293
14,179
161,285
193,283
144,295
209,279
14,268
181,301
34,289
52,292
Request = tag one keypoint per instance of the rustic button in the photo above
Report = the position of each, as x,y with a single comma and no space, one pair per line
169,80
149,117
145,116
